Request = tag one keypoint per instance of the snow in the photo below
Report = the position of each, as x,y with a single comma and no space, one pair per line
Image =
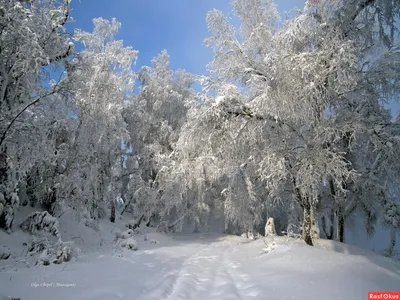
196,267
219,100
5,253
191,266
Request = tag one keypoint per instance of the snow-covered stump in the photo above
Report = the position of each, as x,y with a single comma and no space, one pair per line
250,235
269,239
270,227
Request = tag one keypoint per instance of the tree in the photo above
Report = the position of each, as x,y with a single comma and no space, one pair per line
100,80
287,114
33,39
374,154
154,119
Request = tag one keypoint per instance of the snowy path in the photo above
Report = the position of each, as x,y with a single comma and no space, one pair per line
218,268
207,274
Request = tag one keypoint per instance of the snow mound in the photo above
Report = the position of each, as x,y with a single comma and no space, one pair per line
129,243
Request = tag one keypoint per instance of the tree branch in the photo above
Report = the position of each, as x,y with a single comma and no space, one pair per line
3,136
361,7
246,112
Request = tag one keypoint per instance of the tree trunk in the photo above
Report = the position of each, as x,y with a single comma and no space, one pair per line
112,217
332,227
307,222
315,234
126,206
328,234
340,218
392,242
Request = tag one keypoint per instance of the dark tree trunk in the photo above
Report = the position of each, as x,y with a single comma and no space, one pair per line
328,234
307,222
112,217
125,206
340,217
149,221
332,227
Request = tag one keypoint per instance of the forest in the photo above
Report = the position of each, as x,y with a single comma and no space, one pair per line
291,122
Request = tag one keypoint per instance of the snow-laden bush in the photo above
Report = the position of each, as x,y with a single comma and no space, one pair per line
391,215
5,253
9,201
51,253
56,255
125,240
41,222
125,234
38,245
43,246
129,243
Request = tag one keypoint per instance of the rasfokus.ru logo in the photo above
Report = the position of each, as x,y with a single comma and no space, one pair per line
384,295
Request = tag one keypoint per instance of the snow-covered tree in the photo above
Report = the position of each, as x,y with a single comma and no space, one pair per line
99,79
288,114
373,151
155,117
33,42
391,220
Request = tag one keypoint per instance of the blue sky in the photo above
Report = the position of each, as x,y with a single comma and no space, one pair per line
179,26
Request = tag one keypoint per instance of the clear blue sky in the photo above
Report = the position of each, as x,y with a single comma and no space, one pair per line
179,26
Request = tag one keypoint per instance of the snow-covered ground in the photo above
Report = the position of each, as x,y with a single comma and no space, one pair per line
197,267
